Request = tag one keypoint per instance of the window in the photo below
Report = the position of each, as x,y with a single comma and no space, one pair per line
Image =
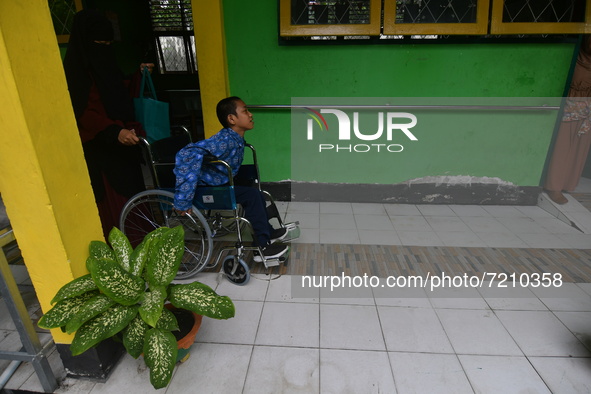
540,17
172,24
436,17
62,15
332,17
327,19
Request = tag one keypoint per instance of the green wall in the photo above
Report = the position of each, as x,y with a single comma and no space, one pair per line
263,72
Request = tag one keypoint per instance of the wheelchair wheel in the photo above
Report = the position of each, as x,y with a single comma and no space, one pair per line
151,209
236,270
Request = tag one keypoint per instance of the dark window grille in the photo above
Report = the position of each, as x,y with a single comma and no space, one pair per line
172,24
544,11
436,11
62,14
306,12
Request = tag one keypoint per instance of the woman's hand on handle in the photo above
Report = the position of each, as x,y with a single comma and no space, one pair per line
128,137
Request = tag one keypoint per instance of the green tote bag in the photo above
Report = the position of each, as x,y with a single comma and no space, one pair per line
150,112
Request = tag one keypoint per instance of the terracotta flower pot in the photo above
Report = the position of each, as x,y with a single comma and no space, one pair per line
186,335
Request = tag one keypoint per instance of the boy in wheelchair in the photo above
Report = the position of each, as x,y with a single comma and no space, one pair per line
227,145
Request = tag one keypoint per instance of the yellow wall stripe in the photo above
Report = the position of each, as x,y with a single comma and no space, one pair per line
208,19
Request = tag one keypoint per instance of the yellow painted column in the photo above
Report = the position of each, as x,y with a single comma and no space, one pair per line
43,177
210,44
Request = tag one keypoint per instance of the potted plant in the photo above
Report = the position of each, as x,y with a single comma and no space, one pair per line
129,292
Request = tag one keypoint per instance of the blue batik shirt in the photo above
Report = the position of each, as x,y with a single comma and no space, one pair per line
226,145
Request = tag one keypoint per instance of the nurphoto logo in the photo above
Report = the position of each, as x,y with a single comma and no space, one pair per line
390,122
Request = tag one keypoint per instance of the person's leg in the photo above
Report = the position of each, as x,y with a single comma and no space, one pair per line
562,161
255,212
580,154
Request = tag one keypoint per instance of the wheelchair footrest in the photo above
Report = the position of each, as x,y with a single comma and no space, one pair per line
269,263
293,231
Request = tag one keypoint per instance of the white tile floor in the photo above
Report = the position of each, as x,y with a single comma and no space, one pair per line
584,186
476,341
433,225
278,344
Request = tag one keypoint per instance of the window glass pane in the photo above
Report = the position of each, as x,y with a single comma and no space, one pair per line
173,53
544,11
172,23
62,15
436,11
331,12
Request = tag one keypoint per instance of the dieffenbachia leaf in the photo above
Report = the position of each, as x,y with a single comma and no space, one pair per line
139,256
121,246
115,282
157,233
91,308
101,327
167,321
99,250
134,335
165,256
201,299
160,353
152,305
75,288
64,311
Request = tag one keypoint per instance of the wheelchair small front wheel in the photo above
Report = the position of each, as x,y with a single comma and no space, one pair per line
236,270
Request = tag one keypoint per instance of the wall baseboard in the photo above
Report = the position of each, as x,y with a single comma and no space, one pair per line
421,193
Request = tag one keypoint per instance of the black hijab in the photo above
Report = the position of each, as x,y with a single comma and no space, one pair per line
87,61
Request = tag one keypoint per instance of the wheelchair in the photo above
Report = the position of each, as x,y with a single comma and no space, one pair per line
216,219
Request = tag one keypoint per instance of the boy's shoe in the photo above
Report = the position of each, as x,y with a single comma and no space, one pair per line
271,252
278,234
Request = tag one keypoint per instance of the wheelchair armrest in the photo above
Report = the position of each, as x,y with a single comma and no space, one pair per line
209,158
